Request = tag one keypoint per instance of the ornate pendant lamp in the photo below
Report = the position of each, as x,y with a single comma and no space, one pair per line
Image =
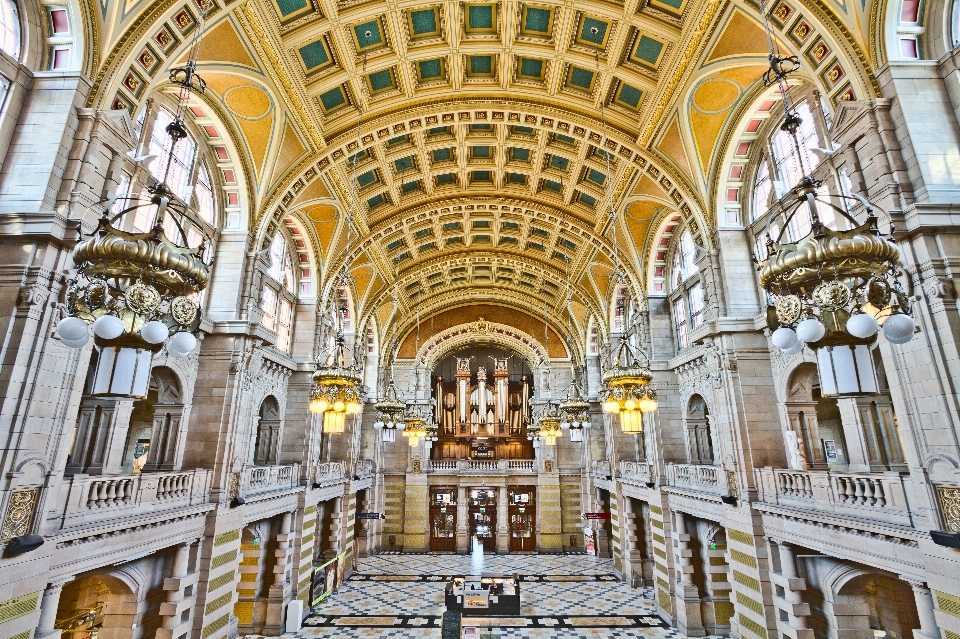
629,394
574,411
416,425
831,290
548,424
390,409
336,388
140,291
336,384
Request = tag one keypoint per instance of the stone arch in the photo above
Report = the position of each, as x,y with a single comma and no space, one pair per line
890,603
266,444
447,341
111,599
698,432
158,424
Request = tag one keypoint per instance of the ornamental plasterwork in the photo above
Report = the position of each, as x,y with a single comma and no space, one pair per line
465,334
19,513
949,500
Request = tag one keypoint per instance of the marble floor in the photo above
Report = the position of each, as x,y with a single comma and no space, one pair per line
562,597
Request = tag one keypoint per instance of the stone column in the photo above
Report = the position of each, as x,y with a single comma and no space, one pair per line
463,526
503,523
928,622
688,612
861,435
280,591
793,585
172,609
48,610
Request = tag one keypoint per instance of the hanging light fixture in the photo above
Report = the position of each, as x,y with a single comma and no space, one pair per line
573,409
337,384
416,425
547,426
629,394
831,290
390,409
140,291
627,377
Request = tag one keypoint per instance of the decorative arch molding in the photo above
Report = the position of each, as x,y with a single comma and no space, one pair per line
481,332
655,249
306,246
469,298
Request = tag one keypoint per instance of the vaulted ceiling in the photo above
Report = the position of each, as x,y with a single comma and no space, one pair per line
477,142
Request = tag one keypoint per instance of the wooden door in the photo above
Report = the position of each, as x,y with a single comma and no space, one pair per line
443,528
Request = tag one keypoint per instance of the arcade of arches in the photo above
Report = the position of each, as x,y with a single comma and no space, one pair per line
480,201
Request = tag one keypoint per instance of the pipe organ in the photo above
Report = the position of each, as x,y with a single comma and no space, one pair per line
474,407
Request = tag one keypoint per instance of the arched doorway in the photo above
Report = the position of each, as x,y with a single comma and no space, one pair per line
98,606
697,431
267,442
153,441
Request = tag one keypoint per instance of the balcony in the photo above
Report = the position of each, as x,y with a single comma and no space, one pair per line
330,471
699,478
365,468
260,480
499,466
878,497
636,471
95,499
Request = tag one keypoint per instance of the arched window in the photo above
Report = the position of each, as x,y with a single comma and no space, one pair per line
762,186
204,192
278,293
10,29
181,161
787,165
686,291
684,256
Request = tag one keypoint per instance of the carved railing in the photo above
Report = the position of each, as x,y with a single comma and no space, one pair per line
365,468
330,470
482,465
95,498
702,478
636,471
268,479
601,468
877,496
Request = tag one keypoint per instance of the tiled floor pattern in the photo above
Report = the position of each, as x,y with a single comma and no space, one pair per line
562,597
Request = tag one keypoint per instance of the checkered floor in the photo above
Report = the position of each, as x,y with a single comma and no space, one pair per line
562,597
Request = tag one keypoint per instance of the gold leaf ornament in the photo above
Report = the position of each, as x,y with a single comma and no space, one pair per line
142,298
831,296
788,309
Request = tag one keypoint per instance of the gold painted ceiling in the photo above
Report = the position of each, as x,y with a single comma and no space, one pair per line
485,135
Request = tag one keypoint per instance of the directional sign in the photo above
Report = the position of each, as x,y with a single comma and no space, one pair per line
371,516
596,515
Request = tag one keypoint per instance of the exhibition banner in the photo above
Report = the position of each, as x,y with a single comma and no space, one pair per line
326,579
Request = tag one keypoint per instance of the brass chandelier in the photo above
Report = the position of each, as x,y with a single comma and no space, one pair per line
629,394
574,411
831,290
416,425
546,424
140,291
336,388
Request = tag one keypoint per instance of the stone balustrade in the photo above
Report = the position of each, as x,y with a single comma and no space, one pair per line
702,478
365,468
268,479
876,496
481,465
636,471
93,499
601,468
330,471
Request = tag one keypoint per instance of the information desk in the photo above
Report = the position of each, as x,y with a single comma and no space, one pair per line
488,594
